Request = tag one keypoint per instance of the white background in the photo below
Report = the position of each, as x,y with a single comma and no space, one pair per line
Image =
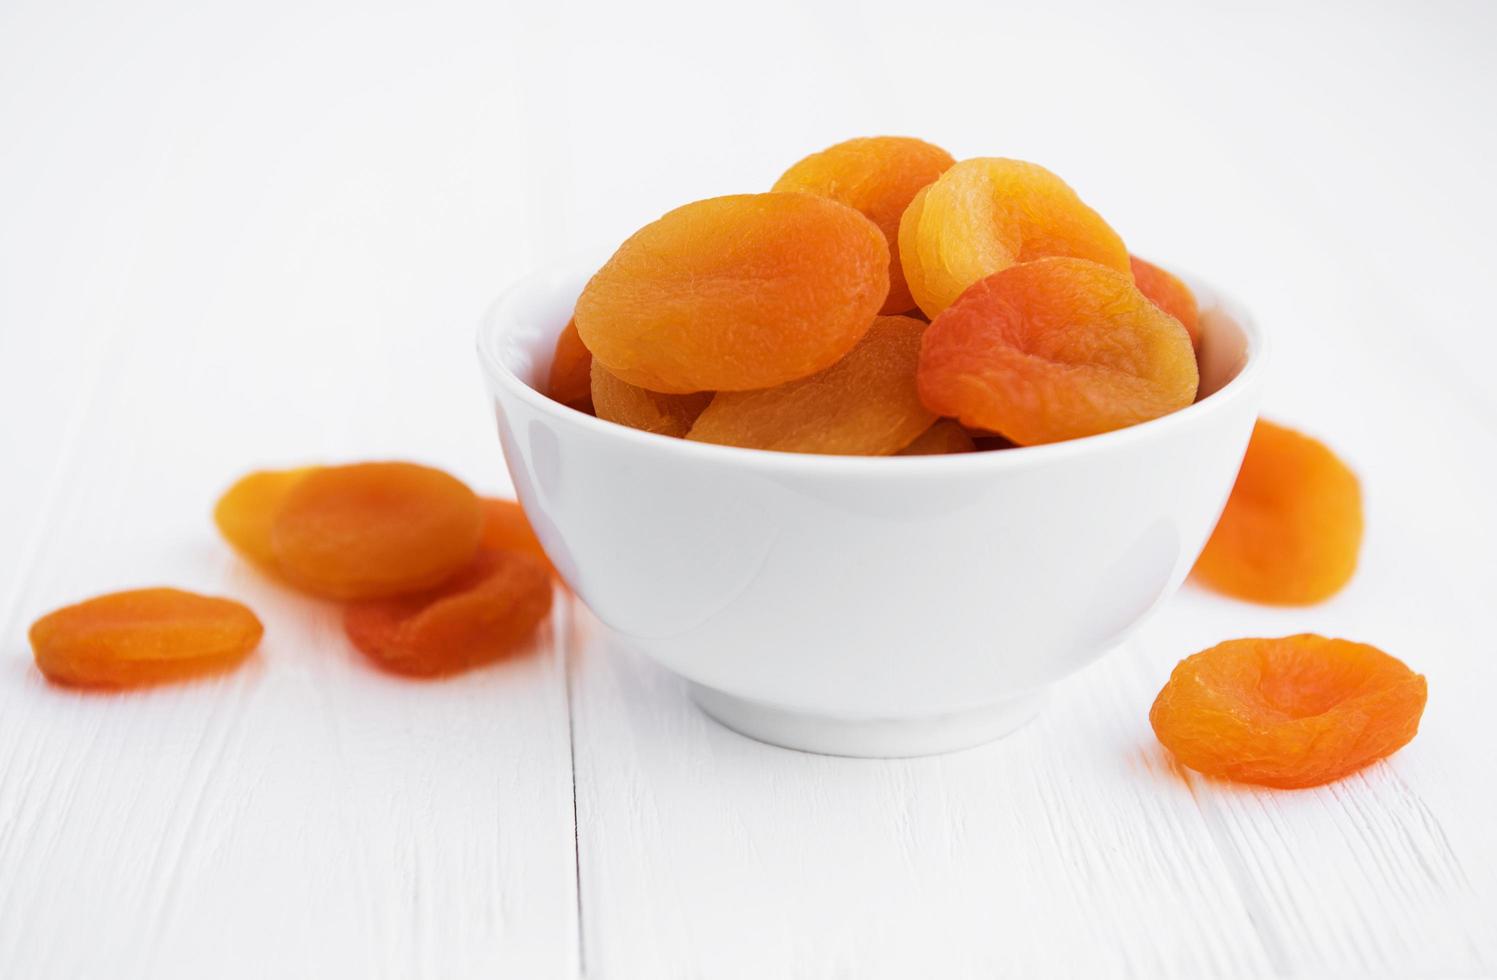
238,235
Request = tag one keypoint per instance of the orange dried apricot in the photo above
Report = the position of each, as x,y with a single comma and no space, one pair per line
143,636
1290,712
477,617
879,176
986,214
1292,527
372,530
505,526
619,401
733,293
1055,349
245,512
1167,292
570,381
942,438
866,404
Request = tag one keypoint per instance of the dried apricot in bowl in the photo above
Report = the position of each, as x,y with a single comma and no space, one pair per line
1055,349
371,530
570,380
864,405
143,636
1292,526
733,293
1291,712
481,615
1167,292
616,400
878,175
986,214
246,511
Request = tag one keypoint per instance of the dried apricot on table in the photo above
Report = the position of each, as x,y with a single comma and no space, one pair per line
866,404
371,530
619,401
246,511
942,438
1291,712
733,293
570,380
879,176
1292,526
143,636
1055,349
505,526
1166,291
479,616
986,214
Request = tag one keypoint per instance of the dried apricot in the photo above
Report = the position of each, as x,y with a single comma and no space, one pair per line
986,214
505,526
866,404
1292,527
1167,292
879,176
246,511
1055,349
477,617
371,530
942,438
619,401
1291,712
733,293
144,636
570,381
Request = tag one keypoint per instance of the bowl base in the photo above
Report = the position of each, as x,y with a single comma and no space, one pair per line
870,738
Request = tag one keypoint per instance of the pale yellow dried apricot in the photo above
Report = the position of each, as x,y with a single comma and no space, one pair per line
246,511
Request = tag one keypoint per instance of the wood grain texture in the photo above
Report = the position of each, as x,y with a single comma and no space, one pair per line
260,235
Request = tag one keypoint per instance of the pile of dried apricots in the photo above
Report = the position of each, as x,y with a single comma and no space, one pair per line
881,299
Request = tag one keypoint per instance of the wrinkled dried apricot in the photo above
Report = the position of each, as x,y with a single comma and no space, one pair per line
1292,527
144,636
1291,712
733,293
986,214
1167,292
619,401
477,617
942,438
570,381
1055,349
866,404
246,511
879,176
505,526
371,530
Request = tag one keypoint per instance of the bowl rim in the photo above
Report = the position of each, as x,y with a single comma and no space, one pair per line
492,327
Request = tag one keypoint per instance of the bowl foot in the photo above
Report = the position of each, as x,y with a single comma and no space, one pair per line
869,738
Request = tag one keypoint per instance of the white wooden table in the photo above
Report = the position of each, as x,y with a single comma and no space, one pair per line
238,236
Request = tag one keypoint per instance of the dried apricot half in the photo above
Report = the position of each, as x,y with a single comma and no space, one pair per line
864,405
477,617
1290,712
570,380
1292,527
616,400
733,293
371,530
246,511
942,438
1055,349
878,175
143,636
986,214
1167,292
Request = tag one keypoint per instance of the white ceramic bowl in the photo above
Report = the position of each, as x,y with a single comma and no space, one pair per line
885,606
